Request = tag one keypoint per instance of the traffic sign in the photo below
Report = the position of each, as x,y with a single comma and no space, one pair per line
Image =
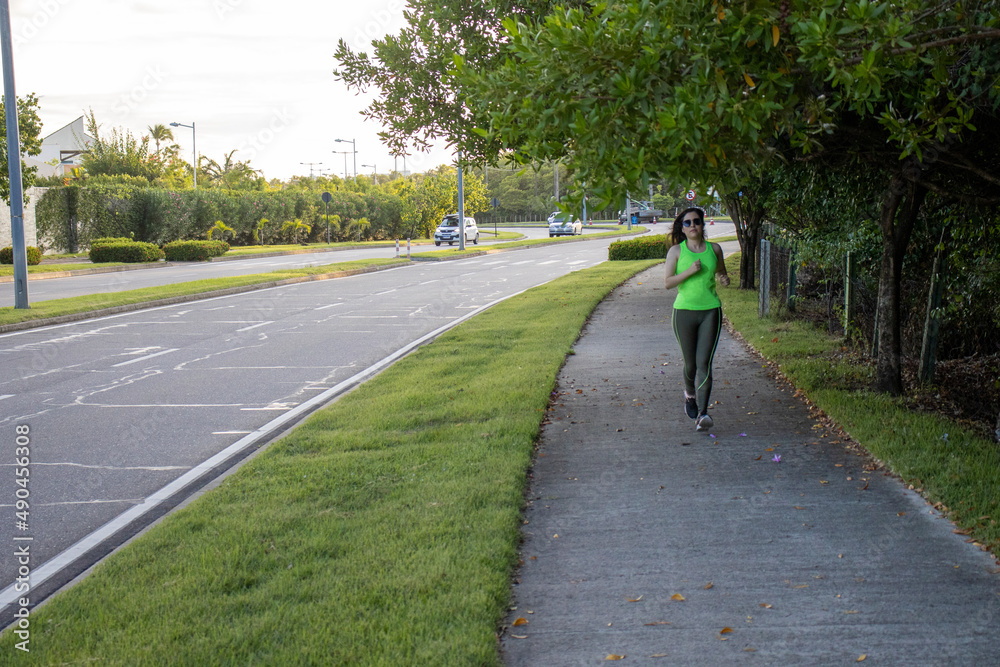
691,195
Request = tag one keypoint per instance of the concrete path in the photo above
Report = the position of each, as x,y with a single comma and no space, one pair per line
647,540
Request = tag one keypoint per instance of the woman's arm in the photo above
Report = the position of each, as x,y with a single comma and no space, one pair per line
720,266
673,278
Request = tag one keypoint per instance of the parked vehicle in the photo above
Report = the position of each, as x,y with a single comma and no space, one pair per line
641,212
448,231
563,224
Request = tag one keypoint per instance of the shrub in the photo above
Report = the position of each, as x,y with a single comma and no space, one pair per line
110,239
645,247
130,251
33,254
194,251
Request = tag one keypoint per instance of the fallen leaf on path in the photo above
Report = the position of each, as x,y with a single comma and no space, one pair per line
777,458
725,631
864,656
615,657
637,599
658,655
658,623
678,597
766,605
759,458
519,636
520,621
708,585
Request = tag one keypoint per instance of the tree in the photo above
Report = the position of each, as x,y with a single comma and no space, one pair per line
635,92
29,130
160,133
119,152
416,99
232,174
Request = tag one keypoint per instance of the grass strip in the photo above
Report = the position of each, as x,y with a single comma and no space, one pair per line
382,531
954,468
92,302
8,269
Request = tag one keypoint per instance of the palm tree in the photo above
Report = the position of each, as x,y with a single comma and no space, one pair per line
160,133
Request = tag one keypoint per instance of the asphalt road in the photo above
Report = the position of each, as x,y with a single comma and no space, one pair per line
44,289
123,412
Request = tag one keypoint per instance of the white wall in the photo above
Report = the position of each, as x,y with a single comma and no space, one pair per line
30,234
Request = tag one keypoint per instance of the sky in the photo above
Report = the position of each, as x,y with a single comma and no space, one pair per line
251,75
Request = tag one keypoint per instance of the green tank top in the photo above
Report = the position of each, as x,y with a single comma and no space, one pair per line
698,291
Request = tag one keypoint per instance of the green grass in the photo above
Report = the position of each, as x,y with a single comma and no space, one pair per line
8,269
92,302
382,531
958,472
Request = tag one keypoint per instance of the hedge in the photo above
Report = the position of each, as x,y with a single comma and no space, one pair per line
189,251
644,247
33,254
110,240
131,251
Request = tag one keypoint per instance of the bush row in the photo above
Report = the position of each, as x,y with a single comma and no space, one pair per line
33,254
73,216
645,247
125,251
194,251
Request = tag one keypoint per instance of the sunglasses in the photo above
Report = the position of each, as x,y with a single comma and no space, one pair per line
693,221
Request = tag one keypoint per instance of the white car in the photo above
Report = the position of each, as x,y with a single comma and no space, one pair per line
563,224
448,232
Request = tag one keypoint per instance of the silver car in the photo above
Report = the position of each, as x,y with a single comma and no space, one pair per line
448,231
563,224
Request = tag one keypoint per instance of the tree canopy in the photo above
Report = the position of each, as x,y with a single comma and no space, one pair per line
29,130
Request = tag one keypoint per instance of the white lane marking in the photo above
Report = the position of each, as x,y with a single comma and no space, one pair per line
551,261
428,282
527,261
6,396
582,261
231,432
97,467
262,409
369,317
54,565
388,291
51,327
254,326
332,305
148,356
130,501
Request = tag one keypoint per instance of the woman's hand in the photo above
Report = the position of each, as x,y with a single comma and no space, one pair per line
694,268
724,279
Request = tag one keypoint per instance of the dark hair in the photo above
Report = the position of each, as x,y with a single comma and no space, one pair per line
677,233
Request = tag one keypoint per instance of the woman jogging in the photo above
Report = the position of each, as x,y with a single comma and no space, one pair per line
692,266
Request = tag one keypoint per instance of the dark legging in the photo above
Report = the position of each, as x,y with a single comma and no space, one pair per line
697,333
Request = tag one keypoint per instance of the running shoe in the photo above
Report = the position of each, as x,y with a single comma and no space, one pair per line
704,423
691,406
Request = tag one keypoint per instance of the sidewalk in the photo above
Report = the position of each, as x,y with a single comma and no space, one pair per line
647,540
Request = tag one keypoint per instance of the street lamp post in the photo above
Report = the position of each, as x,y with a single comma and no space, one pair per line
345,153
310,164
375,174
355,149
194,148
